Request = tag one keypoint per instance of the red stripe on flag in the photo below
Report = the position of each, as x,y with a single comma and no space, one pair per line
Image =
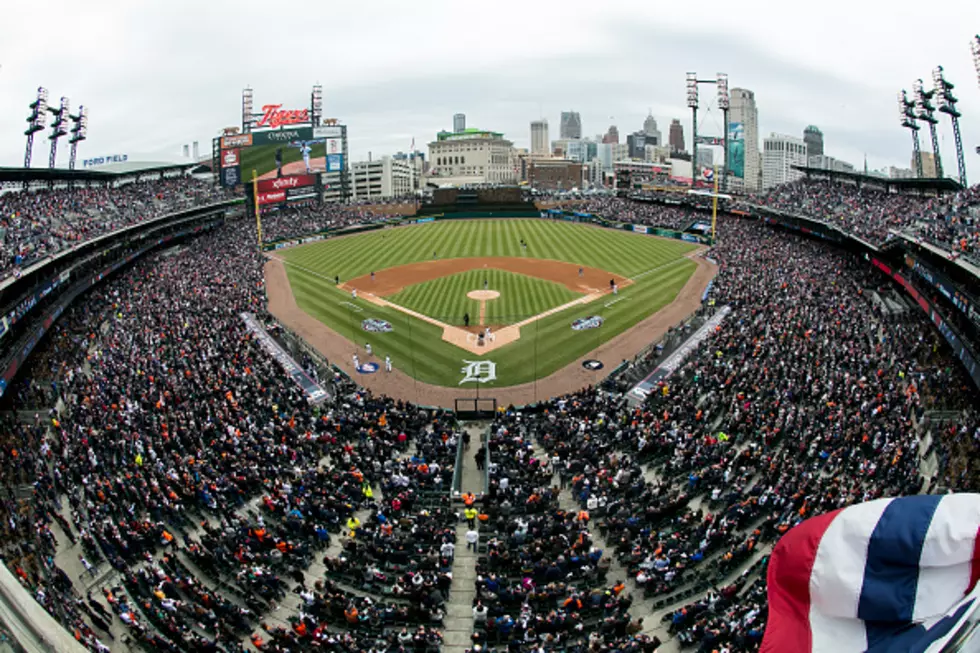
790,567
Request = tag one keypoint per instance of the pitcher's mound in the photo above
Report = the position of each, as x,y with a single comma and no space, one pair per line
483,294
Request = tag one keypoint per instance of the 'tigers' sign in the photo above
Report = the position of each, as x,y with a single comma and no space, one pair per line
478,372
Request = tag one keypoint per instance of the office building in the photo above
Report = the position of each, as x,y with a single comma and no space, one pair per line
825,162
928,164
382,178
813,138
459,123
653,134
637,145
706,157
780,152
743,111
612,136
473,156
676,136
417,160
555,174
539,137
571,125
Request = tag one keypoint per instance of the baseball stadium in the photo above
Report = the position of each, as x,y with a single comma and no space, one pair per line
245,411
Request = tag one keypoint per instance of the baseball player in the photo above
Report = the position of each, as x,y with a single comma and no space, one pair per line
278,162
387,363
353,293
305,149
357,363
367,348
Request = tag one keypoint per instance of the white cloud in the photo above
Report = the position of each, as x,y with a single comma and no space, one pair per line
158,75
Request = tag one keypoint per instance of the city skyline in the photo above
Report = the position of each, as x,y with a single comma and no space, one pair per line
142,102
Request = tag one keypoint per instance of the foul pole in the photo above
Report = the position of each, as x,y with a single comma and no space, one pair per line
714,208
255,200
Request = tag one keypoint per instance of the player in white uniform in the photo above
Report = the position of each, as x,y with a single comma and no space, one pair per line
305,150
357,363
387,363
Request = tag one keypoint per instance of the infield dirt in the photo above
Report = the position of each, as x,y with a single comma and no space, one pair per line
572,377
390,281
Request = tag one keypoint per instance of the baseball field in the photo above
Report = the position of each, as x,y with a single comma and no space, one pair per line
425,294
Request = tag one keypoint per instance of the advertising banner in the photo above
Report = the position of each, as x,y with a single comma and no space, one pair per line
313,391
335,146
231,176
278,136
709,140
736,149
640,228
335,162
238,140
230,157
285,183
327,132
271,197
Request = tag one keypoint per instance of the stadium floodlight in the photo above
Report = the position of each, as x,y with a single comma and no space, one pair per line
59,127
316,105
78,134
907,119
692,90
975,49
946,103
247,116
925,111
36,122
723,100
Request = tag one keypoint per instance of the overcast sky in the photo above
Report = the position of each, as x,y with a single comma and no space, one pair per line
156,75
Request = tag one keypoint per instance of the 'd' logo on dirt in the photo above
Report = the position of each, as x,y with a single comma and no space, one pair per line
375,325
591,322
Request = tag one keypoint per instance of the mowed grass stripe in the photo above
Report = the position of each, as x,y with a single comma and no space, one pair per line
521,296
416,347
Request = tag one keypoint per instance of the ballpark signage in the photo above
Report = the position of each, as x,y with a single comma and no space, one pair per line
102,160
273,197
273,116
478,372
231,176
230,158
375,325
286,183
591,322
239,140
327,132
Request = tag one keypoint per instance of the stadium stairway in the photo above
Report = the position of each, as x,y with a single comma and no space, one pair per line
458,624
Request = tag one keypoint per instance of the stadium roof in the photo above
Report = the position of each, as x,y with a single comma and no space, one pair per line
913,184
103,173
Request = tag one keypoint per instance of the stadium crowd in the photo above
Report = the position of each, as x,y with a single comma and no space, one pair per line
301,221
200,490
950,221
37,224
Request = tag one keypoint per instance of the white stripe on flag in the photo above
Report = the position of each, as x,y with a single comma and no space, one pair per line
945,563
837,577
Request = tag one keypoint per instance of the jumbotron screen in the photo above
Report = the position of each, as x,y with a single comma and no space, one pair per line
279,153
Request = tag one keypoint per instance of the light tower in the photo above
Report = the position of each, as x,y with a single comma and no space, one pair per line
78,133
692,102
723,104
60,127
907,119
316,105
925,112
247,117
946,103
975,49
36,121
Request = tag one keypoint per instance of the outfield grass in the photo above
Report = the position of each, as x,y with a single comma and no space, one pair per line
416,347
520,297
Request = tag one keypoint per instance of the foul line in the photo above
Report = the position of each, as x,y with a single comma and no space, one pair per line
307,270
659,267
607,305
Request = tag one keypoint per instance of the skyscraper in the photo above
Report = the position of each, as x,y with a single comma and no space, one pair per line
571,125
539,137
650,129
813,138
612,136
743,117
780,154
459,123
676,136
